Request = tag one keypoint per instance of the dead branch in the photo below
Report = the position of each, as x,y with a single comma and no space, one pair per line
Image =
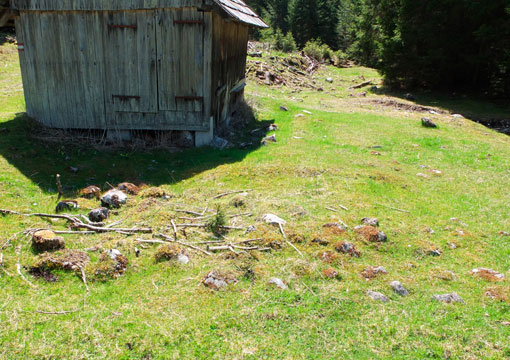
175,228
363,84
239,215
229,193
331,209
18,268
393,208
168,238
205,225
84,278
288,242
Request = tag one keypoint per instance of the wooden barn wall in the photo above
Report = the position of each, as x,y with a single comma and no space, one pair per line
62,63
71,5
229,49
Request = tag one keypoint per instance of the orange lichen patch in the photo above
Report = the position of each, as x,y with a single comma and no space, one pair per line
328,256
330,273
499,293
369,233
91,192
333,229
373,271
129,188
488,274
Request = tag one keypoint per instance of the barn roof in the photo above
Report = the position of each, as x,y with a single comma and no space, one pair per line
242,12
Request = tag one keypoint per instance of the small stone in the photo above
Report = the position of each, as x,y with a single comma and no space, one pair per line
449,298
47,240
426,122
299,115
422,175
182,259
409,96
113,198
452,246
273,219
284,108
399,288
307,112
278,283
329,80
113,253
377,296
457,116
99,215
272,127
251,228
370,221
374,88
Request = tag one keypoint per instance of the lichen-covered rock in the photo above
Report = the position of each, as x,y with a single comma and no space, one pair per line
66,205
347,248
128,188
488,274
334,228
373,271
217,280
278,283
370,221
370,233
47,240
91,192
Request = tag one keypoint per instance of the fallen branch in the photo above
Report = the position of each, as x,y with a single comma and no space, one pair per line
363,84
84,278
288,242
331,209
175,228
229,193
393,208
205,225
18,269
168,238
239,215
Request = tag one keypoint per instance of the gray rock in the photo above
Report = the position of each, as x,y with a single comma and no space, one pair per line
284,108
426,122
370,221
329,80
377,296
449,298
99,215
114,198
399,288
382,236
113,253
66,205
271,138
409,96
219,143
278,283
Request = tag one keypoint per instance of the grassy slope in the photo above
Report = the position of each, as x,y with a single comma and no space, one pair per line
161,311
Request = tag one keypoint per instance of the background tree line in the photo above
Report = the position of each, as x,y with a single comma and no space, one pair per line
461,45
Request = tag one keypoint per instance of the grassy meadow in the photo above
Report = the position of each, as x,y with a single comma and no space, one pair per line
374,160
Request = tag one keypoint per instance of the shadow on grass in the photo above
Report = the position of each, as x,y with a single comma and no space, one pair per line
493,113
40,161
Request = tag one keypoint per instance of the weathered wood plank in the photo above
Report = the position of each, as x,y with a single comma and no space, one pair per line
105,5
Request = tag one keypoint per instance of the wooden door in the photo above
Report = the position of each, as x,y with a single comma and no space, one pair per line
180,41
130,61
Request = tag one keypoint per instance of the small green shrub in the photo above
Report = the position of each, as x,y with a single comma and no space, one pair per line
217,223
285,43
318,51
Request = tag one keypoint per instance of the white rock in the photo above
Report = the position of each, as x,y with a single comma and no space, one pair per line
458,116
114,198
182,259
273,219
307,112
113,254
278,283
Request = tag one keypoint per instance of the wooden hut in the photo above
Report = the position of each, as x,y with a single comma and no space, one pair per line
122,65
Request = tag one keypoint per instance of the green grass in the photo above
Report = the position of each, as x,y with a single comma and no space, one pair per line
161,311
